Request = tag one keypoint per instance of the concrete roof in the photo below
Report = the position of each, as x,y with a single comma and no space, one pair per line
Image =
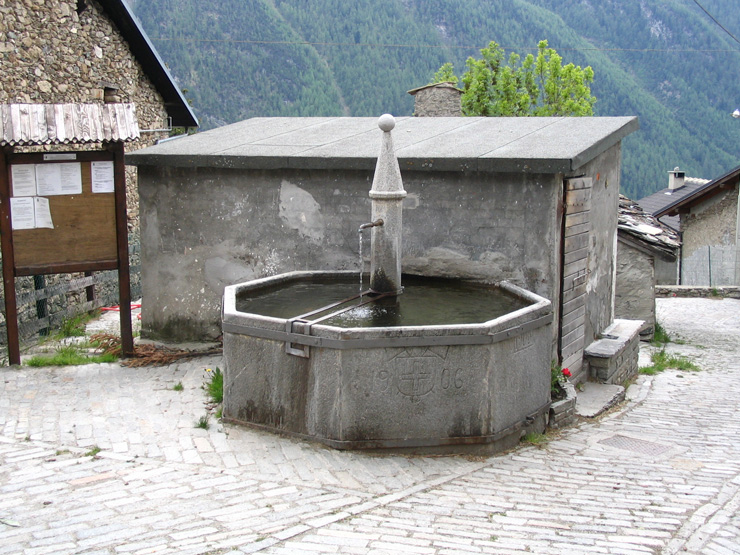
532,145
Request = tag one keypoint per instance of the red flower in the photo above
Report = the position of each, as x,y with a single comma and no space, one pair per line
566,373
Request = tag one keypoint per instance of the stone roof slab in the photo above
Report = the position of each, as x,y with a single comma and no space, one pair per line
533,145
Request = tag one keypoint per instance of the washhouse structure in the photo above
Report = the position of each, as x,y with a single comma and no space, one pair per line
530,201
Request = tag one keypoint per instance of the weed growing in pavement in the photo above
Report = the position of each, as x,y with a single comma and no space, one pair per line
534,438
178,386
69,355
662,360
214,385
203,422
660,336
75,326
93,452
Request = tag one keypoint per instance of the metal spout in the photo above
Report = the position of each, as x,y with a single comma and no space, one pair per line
376,223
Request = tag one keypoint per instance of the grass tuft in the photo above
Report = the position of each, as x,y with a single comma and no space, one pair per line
660,336
662,360
75,326
68,356
203,422
214,385
534,438
178,386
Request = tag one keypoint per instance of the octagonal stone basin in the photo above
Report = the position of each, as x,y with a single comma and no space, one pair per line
465,386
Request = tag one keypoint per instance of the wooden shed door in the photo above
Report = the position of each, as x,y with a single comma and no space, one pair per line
576,228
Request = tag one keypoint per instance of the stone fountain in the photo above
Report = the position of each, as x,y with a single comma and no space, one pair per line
424,366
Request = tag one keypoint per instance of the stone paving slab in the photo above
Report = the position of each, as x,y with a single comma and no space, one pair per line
660,473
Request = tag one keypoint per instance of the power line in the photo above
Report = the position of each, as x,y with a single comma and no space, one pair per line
717,22
440,46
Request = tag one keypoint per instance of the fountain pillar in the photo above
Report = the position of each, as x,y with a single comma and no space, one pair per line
387,194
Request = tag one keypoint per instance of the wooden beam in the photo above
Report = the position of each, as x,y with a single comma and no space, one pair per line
6,238
124,278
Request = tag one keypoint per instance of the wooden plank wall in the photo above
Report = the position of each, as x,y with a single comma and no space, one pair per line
577,226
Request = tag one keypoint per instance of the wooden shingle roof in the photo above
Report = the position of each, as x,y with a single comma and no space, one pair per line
45,124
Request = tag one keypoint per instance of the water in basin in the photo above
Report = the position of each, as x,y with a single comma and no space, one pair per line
424,302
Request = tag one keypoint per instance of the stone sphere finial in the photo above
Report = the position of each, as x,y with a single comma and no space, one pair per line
386,122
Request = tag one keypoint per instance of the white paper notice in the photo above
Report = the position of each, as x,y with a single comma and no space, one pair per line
24,180
22,212
102,177
42,213
71,178
48,179
58,179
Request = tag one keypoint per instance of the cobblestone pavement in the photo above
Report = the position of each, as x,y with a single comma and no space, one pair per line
659,474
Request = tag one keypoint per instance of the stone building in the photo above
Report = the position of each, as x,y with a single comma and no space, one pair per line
643,242
529,200
89,51
82,51
708,214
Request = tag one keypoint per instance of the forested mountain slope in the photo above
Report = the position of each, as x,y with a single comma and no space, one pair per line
664,61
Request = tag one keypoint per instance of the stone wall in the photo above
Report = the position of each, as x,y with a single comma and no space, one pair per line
613,359
635,291
722,292
205,228
710,242
441,100
50,53
604,171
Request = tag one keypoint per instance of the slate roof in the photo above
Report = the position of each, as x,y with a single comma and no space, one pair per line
646,229
530,145
42,124
143,50
443,85
667,204
659,203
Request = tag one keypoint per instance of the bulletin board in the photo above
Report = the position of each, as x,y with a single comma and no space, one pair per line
64,212
84,222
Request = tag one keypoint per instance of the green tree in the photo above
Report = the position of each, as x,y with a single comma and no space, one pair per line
445,74
536,86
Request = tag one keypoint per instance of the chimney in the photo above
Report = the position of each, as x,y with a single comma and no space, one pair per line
437,100
675,179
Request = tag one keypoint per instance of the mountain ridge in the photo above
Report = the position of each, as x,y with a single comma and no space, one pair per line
665,62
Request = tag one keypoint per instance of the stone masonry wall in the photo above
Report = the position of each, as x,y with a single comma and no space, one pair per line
635,289
440,101
50,53
712,224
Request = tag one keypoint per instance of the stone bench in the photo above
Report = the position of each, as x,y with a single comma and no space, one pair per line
613,358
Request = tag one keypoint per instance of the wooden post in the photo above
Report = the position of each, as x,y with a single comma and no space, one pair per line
6,237
124,278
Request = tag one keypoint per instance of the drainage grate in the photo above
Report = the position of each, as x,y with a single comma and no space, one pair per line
635,445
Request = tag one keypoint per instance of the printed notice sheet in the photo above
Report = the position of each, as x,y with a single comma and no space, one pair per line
24,179
102,177
59,179
42,212
22,212
71,178
30,213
